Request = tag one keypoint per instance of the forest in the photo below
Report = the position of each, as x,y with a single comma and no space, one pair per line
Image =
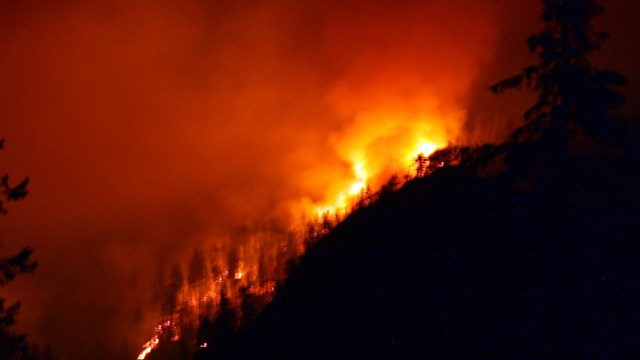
525,248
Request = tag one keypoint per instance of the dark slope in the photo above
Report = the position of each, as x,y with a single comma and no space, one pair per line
452,265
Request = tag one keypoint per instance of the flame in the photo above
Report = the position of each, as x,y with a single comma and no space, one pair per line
165,329
363,171
341,204
360,180
149,346
369,156
425,148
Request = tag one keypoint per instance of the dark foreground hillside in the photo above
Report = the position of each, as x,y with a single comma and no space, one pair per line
452,265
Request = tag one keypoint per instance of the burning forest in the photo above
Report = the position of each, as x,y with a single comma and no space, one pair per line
184,157
239,275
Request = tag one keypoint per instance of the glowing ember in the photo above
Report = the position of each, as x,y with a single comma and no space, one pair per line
238,275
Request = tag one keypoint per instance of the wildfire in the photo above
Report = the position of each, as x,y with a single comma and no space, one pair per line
425,148
342,201
240,271
249,263
345,199
167,328
149,346
361,179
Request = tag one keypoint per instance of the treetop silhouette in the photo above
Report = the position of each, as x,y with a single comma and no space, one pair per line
573,95
11,345
11,193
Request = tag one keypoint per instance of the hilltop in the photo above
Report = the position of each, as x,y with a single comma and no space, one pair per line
524,249
456,264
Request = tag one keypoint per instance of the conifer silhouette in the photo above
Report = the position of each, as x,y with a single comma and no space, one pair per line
573,95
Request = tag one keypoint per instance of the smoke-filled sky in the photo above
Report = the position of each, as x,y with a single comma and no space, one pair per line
151,127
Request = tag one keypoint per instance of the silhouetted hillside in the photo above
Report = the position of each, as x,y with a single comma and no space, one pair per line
453,264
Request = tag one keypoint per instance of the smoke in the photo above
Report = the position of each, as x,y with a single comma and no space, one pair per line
150,128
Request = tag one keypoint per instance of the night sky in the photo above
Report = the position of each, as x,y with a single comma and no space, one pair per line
148,128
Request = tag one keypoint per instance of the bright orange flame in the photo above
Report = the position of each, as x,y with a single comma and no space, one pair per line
361,179
350,191
387,130
425,148
340,205
379,147
149,346
405,157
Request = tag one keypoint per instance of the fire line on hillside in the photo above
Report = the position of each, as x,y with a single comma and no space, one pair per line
240,275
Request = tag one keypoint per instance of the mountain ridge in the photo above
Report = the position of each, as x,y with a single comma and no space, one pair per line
458,265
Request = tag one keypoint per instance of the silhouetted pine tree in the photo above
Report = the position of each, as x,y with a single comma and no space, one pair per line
197,267
12,346
198,274
573,95
233,262
248,306
175,285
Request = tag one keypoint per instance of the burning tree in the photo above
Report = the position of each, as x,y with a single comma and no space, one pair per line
197,277
174,287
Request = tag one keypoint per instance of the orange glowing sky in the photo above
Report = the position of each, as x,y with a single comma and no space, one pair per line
149,127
